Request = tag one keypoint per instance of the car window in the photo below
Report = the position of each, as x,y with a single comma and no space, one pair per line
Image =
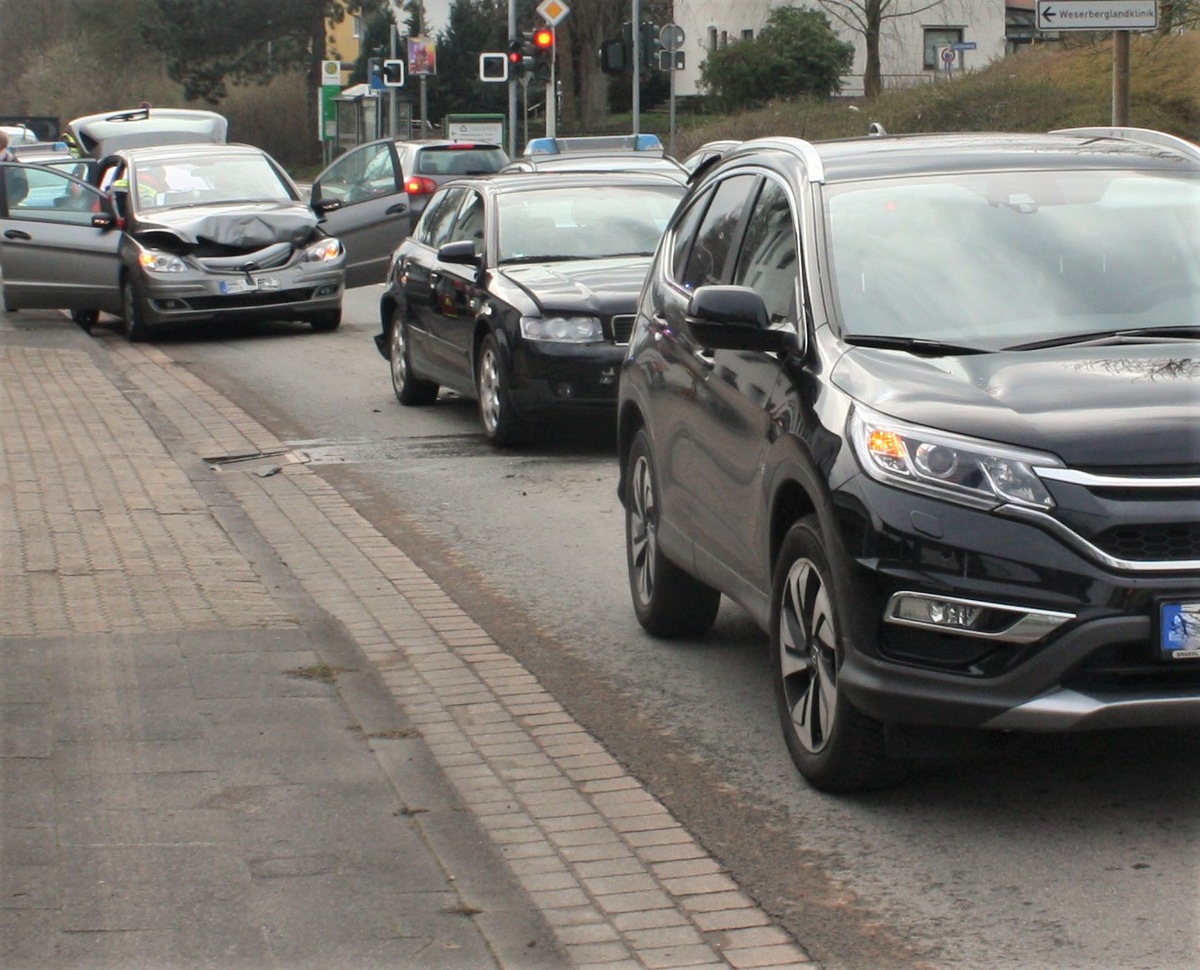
469,224
709,257
437,228
768,262
456,160
685,234
364,173
47,196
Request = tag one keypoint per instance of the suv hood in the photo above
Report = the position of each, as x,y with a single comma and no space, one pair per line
1109,407
244,225
602,286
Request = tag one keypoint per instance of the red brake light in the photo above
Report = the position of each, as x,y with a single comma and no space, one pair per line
420,186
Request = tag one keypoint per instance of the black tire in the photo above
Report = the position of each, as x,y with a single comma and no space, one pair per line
86,319
500,421
410,389
134,314
835,747
326,322
667,601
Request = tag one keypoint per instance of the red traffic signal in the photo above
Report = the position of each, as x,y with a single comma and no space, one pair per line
543,39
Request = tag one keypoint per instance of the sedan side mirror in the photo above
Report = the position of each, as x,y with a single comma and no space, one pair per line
326,205
735,318
461,253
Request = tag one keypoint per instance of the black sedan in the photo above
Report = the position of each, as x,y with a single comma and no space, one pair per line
519,291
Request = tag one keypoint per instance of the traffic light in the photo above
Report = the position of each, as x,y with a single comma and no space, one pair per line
614,56
493,66
375,73
543,53
393,73
520,58
649,45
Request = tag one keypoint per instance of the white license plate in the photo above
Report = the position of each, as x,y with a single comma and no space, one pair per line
247,286
1179,630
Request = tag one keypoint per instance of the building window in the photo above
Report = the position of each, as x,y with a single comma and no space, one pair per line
712,38
356,26
936,37
748,34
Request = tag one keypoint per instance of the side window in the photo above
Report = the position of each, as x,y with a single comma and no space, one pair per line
469,224
708,261
768,262
685,232
48,196
438,228
361,174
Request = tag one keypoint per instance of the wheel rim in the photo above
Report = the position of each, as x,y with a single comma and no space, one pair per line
808,651
399,356
489,390
643,541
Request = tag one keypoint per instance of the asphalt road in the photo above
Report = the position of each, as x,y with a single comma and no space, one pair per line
1056,852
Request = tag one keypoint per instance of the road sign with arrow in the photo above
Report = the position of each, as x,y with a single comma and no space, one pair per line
1055,15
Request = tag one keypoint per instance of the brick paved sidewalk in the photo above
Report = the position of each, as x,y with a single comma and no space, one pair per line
621,883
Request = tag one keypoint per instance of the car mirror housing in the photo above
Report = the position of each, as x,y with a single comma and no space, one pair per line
461,253
326,205
734,318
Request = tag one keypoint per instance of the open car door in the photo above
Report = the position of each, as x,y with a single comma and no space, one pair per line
59,241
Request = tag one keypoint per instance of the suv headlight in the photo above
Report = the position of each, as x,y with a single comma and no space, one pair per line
324,251
153,261
571,330
968,470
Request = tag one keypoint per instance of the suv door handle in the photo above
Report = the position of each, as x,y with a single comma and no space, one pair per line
16,234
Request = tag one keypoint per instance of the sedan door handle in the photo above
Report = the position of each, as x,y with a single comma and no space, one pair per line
16,234
395,210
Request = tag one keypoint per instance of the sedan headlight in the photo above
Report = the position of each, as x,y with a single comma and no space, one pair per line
153,261
968,470
325,251
571,330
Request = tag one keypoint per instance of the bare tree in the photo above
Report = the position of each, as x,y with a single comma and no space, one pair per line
867,17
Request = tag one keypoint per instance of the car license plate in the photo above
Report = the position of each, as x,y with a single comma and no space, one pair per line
1179,630
246,286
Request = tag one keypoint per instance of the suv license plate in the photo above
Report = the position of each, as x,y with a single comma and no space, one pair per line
1179,630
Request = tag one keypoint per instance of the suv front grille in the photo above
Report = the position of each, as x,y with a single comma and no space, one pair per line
1152,543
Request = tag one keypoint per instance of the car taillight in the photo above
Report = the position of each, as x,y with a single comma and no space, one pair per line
420,186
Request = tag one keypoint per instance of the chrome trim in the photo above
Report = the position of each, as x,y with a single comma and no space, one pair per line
1088,480
813,164
1074,539
1063,709
1029,626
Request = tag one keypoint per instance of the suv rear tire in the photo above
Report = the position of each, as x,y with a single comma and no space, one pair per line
668,602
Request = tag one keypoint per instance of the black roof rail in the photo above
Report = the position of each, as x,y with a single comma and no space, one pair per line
1148,136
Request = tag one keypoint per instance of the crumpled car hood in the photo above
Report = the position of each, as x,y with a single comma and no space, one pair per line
240,225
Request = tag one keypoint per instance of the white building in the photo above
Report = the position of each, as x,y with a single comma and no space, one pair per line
911,46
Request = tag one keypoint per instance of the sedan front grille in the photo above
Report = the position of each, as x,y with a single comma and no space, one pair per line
622,328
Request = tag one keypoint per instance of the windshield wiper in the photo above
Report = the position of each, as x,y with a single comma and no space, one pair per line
914,345
1106,337
511,260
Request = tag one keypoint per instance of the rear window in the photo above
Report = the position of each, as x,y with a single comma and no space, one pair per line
460,160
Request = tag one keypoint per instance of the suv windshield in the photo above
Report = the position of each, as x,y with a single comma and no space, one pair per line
998,259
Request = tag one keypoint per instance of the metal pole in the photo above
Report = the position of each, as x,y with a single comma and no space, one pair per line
512,85
1120,88
393,93
637,66
552,88
672,116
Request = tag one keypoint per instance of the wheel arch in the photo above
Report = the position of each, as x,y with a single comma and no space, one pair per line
630,420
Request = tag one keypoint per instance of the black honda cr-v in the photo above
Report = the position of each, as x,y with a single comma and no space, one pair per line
928,407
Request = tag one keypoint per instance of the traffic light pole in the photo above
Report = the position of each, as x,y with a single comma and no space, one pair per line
637,65
512,86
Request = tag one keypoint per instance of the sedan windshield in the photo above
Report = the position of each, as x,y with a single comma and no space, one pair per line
1002,259
247,176
584,222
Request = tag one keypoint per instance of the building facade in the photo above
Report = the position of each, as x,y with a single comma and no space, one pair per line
913,39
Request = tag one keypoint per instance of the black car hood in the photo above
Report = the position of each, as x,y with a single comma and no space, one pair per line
240,225
1131,405
603,286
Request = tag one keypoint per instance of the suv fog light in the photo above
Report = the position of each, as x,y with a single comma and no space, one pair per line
564,390
1012,624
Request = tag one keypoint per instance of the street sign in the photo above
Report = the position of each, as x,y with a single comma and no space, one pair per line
493,66
553,11
671,37
1055,15
672,60
948,55
964,45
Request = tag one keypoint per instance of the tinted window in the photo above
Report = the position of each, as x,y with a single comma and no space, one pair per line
685,232
768,261
458,160
437,226
469,224
718,232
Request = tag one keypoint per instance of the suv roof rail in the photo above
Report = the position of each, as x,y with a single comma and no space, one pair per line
1148,136
803,149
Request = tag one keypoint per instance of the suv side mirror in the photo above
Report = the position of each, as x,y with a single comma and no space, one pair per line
735,318
461,253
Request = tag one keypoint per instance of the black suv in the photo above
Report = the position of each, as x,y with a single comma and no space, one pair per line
928,407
